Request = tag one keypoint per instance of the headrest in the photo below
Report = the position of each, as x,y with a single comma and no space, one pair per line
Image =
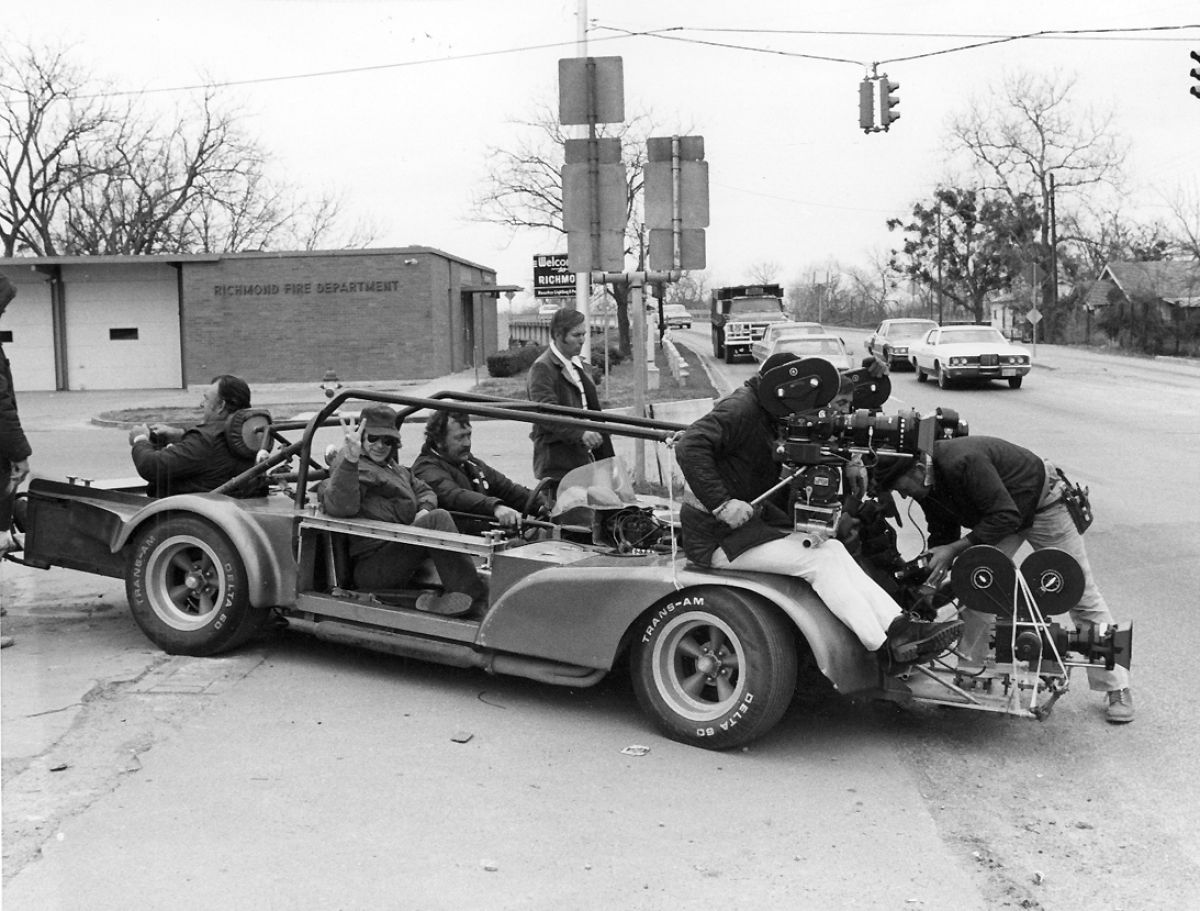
248,432
790,385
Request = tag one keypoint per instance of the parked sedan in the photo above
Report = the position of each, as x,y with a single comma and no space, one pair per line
761,349
891,341
829,347
953,353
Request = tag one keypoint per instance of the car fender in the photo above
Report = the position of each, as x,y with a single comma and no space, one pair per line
581,614
260,532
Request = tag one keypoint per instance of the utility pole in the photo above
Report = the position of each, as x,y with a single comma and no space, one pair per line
583,283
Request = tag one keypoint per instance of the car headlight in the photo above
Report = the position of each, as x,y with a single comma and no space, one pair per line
957,361
899,349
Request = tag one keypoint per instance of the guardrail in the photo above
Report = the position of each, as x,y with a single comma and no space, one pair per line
675,361
536,329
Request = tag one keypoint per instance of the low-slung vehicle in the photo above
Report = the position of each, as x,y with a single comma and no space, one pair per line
972,353
715,657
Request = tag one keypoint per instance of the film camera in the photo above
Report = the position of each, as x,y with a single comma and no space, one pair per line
818,443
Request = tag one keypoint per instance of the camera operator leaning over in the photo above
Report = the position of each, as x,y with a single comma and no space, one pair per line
727,457
1005,495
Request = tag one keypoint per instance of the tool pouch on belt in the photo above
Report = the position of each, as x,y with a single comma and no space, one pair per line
1075,498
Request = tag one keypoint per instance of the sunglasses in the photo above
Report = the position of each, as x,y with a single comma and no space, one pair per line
380,438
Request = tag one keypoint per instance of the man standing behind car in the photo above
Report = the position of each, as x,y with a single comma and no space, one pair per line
559,377
200,459
1005,495
462,481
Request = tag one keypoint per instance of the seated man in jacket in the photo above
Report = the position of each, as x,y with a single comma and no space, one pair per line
728,460
462,481
200,459
366,481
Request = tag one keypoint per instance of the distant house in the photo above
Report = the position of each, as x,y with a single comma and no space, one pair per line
1170,284
1167,290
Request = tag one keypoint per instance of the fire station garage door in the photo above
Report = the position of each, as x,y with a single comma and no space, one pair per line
122,326
27,332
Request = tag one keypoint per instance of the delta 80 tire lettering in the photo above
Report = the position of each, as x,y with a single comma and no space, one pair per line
187,588
714,669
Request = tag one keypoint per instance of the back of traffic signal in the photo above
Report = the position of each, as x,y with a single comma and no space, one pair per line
882,90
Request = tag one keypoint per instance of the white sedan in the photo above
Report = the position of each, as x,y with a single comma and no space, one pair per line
829,347
761,349
953,353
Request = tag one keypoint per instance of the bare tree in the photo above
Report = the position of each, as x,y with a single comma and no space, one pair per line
1027,133
87,176
523,187
1184,204
764,272
52,121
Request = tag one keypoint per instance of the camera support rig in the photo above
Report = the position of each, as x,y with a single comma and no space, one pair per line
1029,665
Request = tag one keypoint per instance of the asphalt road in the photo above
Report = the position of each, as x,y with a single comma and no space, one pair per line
299,774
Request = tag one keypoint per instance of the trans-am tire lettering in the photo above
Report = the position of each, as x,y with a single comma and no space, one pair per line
187,588
715,669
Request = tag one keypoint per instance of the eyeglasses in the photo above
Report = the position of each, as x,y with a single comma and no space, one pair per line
381,438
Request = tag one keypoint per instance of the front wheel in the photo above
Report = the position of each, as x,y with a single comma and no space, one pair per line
713,670
942,378
1014,382
922,376
187,588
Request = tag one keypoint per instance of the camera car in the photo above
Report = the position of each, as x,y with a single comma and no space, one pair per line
714,656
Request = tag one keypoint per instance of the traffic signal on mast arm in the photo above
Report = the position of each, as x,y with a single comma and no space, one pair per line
866,106
888,101
1196,74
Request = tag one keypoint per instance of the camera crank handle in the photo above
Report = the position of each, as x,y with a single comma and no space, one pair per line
784,482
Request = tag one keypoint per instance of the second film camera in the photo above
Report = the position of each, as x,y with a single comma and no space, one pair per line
819,443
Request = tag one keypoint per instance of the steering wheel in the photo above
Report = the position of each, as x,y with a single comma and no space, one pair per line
534,495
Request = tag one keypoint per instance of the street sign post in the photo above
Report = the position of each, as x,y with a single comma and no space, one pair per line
676,202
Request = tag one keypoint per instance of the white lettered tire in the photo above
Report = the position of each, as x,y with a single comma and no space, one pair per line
713,668
187,589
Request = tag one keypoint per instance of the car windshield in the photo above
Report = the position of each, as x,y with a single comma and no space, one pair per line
908,330
753,305
793,331
969,336
806,346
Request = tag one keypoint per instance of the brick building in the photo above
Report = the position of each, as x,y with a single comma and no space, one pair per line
138,322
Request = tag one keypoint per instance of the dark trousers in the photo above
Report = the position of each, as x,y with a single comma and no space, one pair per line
393,565
6,496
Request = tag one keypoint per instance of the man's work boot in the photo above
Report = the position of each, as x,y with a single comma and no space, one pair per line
911,641
1120,707
451,604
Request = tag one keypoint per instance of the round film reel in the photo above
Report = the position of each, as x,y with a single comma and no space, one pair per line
1055,580
984,579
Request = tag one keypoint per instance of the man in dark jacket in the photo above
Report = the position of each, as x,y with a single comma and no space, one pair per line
1006,495
728,461
559,377
366,481
462,481
200,459
14,448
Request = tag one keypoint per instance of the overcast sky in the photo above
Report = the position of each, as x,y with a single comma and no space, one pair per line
793,179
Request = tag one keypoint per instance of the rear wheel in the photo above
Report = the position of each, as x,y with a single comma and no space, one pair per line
714,670
187,588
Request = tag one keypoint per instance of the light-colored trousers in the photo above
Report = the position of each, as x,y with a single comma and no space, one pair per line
1052,527
849,593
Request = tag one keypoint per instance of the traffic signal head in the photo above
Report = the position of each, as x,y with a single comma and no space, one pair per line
866,106
1196,74
888,101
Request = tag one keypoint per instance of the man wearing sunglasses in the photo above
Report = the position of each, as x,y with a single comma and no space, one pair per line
366,481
